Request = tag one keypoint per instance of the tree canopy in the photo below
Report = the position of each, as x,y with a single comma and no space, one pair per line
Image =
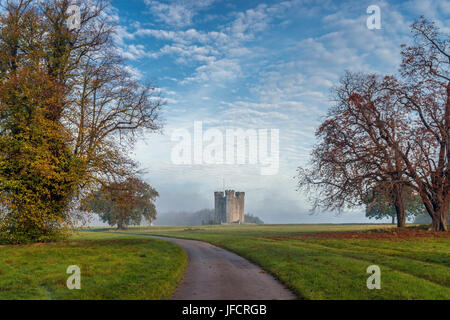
124,203
388,133
69,114
381,208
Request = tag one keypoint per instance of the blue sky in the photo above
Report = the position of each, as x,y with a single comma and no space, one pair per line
254,65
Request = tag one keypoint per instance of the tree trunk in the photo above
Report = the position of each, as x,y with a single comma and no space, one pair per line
438,224
443,222
393,219
439,217
399,205
120,225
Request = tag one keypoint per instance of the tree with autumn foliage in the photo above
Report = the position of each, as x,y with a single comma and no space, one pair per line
124,203
389,133
351,163
424,92
38,173
69,113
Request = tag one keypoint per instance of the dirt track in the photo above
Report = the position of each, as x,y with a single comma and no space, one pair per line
217,274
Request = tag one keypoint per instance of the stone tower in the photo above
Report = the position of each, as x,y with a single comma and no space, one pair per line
219,208
229,208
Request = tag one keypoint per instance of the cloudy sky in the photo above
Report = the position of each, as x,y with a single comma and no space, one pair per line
235,64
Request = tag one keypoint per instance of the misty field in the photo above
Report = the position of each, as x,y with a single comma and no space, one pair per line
330,261
113,266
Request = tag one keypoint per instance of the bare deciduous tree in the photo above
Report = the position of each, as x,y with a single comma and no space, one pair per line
351,163
425,94
385,134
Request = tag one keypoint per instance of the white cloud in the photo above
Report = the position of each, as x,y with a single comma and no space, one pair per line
187,36
218,71
135,73
177,13
249,22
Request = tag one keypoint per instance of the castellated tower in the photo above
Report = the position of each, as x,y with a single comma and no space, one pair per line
229,208
219,208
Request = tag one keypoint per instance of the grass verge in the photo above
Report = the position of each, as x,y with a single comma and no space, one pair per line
330,261
113,266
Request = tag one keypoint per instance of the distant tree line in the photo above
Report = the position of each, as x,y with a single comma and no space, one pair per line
200,217
249,218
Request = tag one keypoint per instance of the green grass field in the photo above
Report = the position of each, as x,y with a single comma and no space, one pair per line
315,261
113,266
334,267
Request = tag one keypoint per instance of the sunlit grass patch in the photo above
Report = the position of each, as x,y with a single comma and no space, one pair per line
330,261
113,266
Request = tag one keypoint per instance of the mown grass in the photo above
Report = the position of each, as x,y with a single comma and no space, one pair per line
328,268
113,266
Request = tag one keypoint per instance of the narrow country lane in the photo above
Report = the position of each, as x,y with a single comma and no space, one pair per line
217,274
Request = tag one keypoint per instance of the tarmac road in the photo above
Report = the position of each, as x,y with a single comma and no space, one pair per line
217,274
